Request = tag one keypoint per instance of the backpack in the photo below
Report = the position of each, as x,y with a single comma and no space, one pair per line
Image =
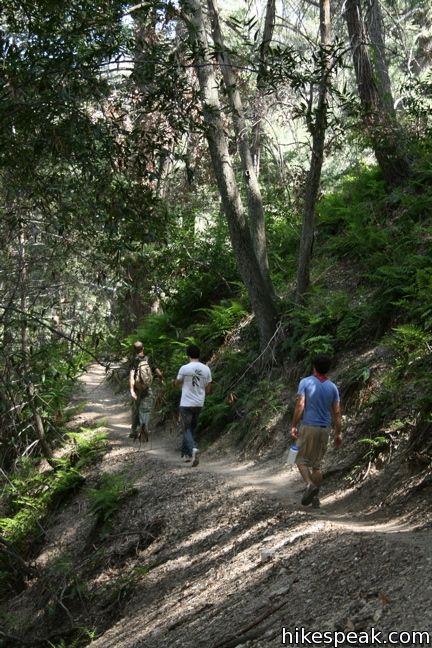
143,377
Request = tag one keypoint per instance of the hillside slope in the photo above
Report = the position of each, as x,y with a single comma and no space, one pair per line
222,555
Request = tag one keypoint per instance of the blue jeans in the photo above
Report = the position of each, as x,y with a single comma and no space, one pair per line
190,419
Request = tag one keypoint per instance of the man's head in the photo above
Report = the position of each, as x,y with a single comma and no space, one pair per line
193,352
322,363
138,347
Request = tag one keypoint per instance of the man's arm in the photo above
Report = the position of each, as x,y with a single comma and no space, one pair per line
159,373
132,384
209,386
298,411
179,380
337,423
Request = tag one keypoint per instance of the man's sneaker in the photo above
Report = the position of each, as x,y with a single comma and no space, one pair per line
309,494
316,502
133,435
144,434
195,457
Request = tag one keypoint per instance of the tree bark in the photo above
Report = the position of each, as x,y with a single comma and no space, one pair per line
384,132
259,98
39,428
253,192
241,240
165,167
318,128
22,274
374,24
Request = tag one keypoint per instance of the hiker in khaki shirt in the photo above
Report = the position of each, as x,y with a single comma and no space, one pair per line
142,394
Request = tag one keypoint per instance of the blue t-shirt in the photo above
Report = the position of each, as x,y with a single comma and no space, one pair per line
319,398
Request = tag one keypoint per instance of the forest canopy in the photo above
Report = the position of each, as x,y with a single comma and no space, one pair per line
177,161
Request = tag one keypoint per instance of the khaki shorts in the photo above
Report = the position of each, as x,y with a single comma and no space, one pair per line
313,445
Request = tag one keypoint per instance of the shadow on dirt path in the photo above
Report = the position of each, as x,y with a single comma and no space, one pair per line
273,479
102,403
218,556
238,560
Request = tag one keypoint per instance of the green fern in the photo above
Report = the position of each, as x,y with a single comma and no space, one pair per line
107,499
410,342
220,320
318,344
87,447
31,494
374,446
83,638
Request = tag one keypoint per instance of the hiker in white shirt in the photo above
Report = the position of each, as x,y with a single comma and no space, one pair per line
195,380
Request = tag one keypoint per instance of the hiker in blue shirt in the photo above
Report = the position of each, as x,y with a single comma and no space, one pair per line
317,406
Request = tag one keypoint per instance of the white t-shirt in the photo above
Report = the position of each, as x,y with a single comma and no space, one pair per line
195,376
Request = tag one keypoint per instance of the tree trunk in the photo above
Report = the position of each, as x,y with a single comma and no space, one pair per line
374,23
314,174
259,98
318,139
253,192
384,132
22,274
261,301
38,426
165,167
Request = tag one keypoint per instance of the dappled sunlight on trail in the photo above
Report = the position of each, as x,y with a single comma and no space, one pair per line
234,540
273,478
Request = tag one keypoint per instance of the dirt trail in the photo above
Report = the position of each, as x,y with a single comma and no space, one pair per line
274,479
102,403
234,560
